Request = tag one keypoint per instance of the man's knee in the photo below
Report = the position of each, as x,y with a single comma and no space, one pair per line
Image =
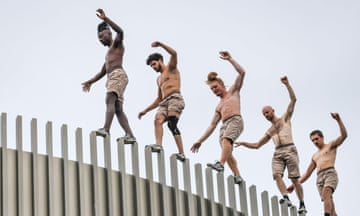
277,176
172,124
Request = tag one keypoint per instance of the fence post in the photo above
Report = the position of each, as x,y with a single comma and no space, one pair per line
162,179
65,155
135,168
200,188
34,150
50,161
4,175
20,166
253,201
80,174
275,206
265,203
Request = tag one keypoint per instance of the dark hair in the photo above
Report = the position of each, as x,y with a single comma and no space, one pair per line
154,57
102,26
318,132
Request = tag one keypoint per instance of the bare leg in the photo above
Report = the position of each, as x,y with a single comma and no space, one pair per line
328,203
179,143
110,109
298,189
280,184
233,165
159,120
121,116
226,150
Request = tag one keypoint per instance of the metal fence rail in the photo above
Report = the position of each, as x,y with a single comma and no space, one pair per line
33,184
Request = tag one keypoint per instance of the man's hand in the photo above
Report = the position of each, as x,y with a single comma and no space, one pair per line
86,86
155,44
237,144
195,147
225,55
141,114
100,13
284,80
290,189
335,116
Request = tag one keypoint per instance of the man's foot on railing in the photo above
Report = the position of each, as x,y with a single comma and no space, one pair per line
155,148
238,179
127,139
216,166
285,200
102,132
180,157
302,210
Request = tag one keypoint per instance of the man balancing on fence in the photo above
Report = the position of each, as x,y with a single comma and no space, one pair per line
117,79
228,111
324,161
285,155
169,100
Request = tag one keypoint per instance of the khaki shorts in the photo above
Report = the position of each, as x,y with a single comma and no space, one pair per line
117,81
286,157
327,178
173,103
231,128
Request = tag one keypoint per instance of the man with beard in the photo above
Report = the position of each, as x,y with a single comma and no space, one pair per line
169,100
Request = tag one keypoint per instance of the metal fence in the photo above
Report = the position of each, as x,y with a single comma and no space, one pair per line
33,184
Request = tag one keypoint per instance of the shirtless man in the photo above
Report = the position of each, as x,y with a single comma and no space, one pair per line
117,79
324,161
228,111
285,155
169,99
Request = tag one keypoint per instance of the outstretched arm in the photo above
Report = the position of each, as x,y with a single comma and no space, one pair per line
305,176
291,105
208,132
120,33
171,51
239,79
343,133
152,106
87,84
255,145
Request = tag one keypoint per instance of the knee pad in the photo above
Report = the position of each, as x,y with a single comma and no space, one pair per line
172,124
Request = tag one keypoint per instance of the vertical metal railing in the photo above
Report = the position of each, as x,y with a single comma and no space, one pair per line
35,185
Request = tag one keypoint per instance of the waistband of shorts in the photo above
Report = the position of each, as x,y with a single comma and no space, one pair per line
284,145
117,70
326,169
228,118
172,94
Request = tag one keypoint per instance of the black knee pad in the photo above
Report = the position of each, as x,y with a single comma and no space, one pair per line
172,124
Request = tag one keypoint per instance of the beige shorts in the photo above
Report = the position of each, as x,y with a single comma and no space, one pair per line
286,157
172,103
327,178
231,128
117,81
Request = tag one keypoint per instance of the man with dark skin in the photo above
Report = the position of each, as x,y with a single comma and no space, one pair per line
324,162
169,100
117,79
285,155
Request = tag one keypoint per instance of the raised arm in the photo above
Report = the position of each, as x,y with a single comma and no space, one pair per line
292,96
87,84
254,145
225,55
173,55
208,132
120,33
343,133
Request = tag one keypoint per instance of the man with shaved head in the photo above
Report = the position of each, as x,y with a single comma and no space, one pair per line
285,155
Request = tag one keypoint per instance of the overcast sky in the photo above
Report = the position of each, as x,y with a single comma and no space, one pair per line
48,48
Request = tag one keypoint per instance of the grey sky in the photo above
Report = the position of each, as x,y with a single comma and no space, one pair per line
49,47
